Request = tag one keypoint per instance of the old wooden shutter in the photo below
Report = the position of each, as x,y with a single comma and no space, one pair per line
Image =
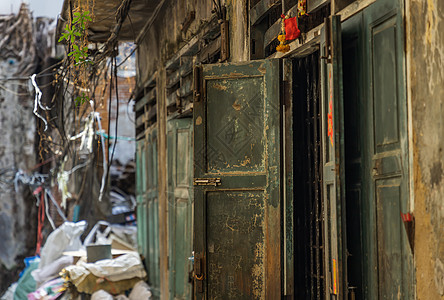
152,210
141,199
333,156
180,206
386,151
237,181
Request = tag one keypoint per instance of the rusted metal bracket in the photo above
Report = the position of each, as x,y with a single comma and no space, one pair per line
198,272
197,71
328,47
207,181
225,41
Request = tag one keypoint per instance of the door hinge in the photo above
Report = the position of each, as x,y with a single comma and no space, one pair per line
197,83
328,51
225,41
207,181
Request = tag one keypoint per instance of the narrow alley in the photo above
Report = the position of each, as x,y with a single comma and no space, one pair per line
223,149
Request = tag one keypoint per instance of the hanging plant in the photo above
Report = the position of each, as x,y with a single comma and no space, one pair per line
75,34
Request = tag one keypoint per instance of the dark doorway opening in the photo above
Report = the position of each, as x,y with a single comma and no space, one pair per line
353,97
307,157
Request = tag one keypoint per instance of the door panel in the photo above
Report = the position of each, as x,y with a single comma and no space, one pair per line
333,158
389,235
378,58
152,210
180,205
141,199
237,223
385,98
239,249
236,128
387,161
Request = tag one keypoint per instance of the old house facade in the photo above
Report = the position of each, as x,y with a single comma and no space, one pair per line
314,173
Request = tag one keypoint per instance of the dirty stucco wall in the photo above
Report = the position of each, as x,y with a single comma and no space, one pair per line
165,37
425,58
17,131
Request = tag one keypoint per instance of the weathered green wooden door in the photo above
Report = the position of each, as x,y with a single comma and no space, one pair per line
141,198
237,144
152,211
386,150
180,206
333,158
377,120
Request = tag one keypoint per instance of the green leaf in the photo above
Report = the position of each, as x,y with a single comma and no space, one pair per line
81,99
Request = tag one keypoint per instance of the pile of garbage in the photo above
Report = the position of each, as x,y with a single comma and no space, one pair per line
106,266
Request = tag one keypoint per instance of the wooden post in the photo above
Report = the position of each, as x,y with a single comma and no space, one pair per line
162,183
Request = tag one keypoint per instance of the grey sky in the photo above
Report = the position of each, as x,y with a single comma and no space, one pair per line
47,8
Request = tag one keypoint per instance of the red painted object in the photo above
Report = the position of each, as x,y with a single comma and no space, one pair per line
292,31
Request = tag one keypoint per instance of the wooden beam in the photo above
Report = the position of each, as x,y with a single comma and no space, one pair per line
162,183
354,8
258,12
309,44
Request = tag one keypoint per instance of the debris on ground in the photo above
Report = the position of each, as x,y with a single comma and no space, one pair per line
63,272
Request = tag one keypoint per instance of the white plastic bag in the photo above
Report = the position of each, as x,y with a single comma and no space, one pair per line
51,270
101,295
64,238
123,267
141,291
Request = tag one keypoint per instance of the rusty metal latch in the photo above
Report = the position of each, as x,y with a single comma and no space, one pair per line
207,181
197,71
328,47
199,275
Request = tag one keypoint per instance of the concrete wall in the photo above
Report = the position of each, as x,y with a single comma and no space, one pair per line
425,61
17,131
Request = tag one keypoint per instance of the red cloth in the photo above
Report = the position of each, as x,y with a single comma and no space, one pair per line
291,29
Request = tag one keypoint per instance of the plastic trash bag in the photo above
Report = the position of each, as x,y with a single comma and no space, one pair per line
123,267
141,291
101,295
64,238
51,270
51,290
26,283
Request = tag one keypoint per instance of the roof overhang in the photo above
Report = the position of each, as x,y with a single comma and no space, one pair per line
104,18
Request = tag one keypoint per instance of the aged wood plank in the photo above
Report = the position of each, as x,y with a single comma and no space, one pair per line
272,32
258,12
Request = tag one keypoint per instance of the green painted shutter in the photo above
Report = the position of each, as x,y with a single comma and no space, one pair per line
141,200
180,206
238,223
386,151
152,211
